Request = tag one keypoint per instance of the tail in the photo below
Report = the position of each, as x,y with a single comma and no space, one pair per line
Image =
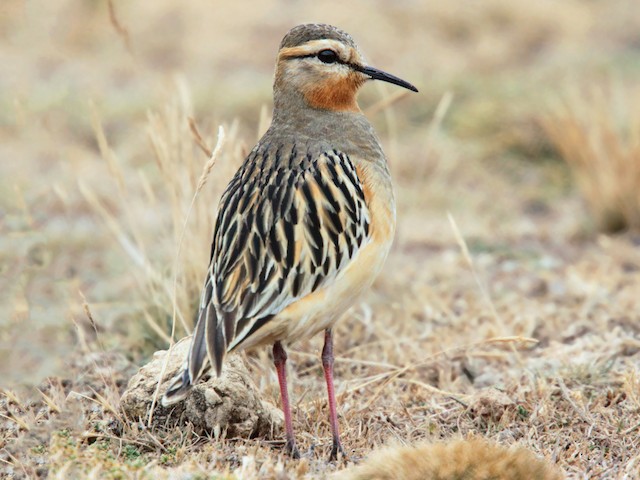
178,389
196,365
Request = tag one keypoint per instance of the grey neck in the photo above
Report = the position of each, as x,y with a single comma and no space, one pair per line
349,132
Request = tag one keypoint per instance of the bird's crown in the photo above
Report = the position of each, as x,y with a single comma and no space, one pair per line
315,31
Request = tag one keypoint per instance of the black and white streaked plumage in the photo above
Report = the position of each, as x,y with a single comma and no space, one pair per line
307,221
287,224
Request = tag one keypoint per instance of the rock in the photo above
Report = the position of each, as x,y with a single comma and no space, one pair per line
229,406
490,403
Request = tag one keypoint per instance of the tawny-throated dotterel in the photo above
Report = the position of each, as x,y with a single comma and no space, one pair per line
306,223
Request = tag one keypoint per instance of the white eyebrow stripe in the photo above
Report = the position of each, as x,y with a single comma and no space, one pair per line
314,46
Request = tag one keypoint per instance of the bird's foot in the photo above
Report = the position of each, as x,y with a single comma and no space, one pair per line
292,449
335,449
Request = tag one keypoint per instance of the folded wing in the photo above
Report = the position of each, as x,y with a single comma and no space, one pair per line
287,225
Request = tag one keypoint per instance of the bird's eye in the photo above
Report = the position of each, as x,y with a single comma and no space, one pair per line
327,56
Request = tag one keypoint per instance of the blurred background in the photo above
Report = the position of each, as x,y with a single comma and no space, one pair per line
526,131
504,87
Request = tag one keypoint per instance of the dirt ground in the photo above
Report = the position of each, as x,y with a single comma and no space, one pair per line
502,312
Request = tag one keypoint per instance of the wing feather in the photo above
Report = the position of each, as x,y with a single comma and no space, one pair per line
316,223
288,223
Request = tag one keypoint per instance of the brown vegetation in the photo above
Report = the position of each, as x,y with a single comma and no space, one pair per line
500,313
467,459
597,132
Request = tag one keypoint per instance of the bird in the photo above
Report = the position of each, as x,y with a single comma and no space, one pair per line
306,223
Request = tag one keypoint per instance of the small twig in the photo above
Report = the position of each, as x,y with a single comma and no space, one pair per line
456,399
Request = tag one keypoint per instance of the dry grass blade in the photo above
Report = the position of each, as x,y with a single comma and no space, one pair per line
125,242
567,396
434,390
11,396
198,138
49,401
156,328
115,226
510,341
17,420
481,286
94,326
102,401
121,30
441,111
207,168
103,145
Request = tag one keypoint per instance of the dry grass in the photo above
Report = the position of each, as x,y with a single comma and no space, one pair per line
468,459
596,130
103,164
169,293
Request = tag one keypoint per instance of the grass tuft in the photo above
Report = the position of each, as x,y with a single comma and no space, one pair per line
596,130
168,191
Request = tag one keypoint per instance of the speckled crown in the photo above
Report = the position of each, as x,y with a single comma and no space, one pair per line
315,31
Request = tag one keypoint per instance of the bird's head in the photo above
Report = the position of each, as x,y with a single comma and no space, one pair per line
323,65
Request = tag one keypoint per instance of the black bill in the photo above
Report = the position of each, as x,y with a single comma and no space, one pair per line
376,74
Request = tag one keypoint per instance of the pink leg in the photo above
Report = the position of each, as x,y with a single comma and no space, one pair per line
280,361
327,365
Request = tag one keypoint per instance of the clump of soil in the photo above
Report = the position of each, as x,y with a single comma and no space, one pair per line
229,405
